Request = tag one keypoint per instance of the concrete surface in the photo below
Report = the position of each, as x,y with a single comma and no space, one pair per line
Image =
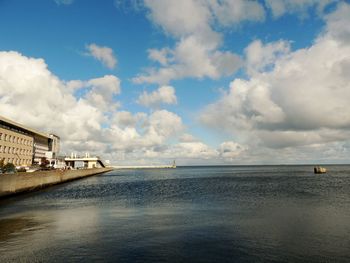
23,182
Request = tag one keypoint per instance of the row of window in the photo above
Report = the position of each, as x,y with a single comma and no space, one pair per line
15,139
41,147
18,161
14,150
40,152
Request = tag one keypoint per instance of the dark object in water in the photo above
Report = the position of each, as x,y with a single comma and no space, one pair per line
319,170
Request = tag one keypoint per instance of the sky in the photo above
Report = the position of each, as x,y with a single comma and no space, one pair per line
202,82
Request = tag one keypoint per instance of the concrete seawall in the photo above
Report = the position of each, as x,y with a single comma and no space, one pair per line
23,182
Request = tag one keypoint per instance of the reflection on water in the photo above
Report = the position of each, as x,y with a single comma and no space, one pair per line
12,227
208,214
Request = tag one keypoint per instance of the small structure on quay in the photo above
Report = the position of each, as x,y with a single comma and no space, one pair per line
86,162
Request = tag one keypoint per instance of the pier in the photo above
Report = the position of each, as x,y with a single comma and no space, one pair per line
173,166
145,167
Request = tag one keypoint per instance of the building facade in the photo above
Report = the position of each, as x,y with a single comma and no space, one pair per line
16,147
24,146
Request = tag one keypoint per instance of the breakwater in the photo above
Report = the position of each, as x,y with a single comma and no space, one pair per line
145,167
24,182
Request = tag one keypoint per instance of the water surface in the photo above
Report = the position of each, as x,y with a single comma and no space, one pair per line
188,214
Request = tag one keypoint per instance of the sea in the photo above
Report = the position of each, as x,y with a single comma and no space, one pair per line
188,214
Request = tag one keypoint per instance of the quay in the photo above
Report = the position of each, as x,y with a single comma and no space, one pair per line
26,149
24,182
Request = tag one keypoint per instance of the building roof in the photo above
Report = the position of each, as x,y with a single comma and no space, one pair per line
22,127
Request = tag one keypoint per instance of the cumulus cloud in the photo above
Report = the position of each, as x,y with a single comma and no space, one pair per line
197,52
180,18
191,58
280,7
230,150
32,95
291,99
186,137
194,25
162,56
163,95
194,150
231,12
125,119
103,91
338,24
100,92
103,54
261,58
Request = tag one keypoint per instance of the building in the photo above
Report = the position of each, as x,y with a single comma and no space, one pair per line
87,162
24,146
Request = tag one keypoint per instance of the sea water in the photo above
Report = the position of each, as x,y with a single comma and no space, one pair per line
188,214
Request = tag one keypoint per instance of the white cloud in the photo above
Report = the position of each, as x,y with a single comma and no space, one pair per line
180,17
125,119
103,91
195,26
299,100
338,24
74,85
103,54
231,12
161,56
197,51
231,150
281,7
165,123
163,95
261,58
194,150
192,58
100,92
32,95
186,137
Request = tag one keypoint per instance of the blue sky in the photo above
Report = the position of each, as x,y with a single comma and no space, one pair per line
216,122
